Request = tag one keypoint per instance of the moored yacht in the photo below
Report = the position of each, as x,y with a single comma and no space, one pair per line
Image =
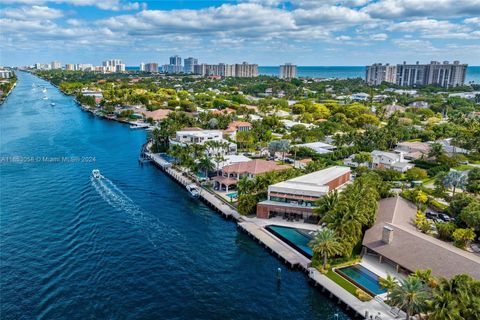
193,190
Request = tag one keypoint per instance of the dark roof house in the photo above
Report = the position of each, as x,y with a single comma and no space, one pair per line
395,239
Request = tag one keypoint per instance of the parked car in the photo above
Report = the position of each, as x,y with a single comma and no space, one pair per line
445,217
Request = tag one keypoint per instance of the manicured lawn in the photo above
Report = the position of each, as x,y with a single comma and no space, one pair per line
463,167
332,275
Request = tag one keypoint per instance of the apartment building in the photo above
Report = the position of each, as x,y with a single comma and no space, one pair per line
378,73
288,71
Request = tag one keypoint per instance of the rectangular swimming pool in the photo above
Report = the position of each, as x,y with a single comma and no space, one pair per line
362,278
296,238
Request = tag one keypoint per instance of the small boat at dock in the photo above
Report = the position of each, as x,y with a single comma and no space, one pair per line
193,190
139,125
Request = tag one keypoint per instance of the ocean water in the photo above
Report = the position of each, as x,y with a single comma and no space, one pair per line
341,72
130,245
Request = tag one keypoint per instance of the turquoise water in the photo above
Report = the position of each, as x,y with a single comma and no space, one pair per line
297,238
131,245
232,195
364,277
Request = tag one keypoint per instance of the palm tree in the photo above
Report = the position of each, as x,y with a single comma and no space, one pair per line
444,306
326,203
326,244
411,295
454,180
388,283
206,165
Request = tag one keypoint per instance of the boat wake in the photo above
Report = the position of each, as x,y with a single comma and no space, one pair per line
157,232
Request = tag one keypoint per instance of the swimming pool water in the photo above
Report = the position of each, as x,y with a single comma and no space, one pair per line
364,278
297,238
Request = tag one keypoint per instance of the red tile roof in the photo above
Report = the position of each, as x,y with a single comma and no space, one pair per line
254,167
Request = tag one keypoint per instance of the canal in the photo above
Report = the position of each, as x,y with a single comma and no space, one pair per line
131,245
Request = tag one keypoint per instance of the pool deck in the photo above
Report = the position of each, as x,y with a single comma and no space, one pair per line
255,227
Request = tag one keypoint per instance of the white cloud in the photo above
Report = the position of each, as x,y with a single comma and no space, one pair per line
386,9
431,28
34,12
101,4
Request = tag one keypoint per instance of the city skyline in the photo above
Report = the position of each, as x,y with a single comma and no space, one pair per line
265,32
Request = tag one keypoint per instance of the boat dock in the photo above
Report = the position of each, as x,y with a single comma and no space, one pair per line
254,228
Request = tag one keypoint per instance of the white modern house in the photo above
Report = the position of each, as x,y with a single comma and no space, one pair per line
200,136
289,124
319,147
390,160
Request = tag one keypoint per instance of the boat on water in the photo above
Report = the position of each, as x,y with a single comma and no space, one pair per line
52,104
44,90
96,174
139,126
45,98
193,190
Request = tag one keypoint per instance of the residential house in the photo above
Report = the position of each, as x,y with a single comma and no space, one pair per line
361,96
319,147
419,104
413,150
449,148
229,176
297,196
390,160
289,124
237,126
396,241
200,136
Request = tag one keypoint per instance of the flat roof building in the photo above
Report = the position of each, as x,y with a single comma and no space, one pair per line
297,196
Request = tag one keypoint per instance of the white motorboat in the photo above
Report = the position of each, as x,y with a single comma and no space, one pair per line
193,190
139,125
52,104
45,98
44,90
96,174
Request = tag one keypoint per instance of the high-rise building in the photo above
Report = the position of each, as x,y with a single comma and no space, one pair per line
175,65
114,65
246,70
120,67
142,66
378,73
443,74
446,74
188,64
151,67
70,67
56,65
175,61
288,71
226,70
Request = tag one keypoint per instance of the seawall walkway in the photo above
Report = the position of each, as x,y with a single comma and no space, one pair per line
254,227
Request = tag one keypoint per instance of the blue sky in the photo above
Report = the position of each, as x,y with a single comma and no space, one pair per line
267,32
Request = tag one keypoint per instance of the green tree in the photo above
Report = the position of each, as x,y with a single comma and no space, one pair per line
388,283
445,230
326,244
454,180
470,215
473,184
205,164
462,236
411,296
326,203
415,174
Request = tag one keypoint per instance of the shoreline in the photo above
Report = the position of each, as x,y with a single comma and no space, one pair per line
8,93
289,256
